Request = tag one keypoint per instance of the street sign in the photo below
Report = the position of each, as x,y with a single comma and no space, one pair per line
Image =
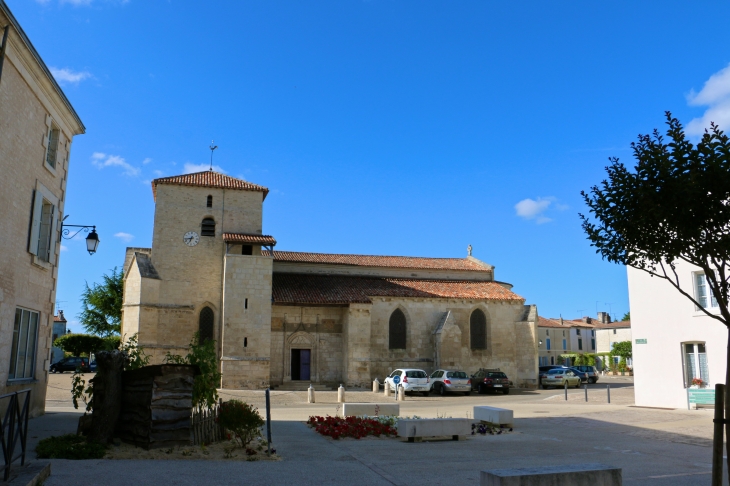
396,379
641,341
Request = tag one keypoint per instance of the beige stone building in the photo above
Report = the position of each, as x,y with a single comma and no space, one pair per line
280,318
37,124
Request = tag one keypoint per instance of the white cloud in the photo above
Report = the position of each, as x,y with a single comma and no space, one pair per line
146,161
69,76
158,173
534,209
77,3
102,160
715,94
64,248
124,236
190,168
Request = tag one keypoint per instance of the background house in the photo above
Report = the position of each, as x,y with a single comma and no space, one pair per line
59,329
37,123
674,341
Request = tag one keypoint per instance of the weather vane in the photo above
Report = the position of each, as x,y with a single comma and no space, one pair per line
212,148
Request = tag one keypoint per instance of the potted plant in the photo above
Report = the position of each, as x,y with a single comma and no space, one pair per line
697,383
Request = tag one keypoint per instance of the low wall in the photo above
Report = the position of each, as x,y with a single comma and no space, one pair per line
494,415
568,475
416,429
369,409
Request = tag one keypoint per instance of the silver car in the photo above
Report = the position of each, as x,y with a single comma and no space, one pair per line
445,381
560,377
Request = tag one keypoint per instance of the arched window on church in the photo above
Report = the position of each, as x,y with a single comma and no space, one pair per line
478,330
397,330
209,202
205,324
207,227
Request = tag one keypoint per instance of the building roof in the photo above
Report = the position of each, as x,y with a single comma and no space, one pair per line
249,238
209,178
613,325
422,263
29,45
290,288
544,322
60,317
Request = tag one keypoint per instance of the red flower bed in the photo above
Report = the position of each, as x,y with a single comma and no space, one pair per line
355,427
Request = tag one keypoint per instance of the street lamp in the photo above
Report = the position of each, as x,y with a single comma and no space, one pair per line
92,241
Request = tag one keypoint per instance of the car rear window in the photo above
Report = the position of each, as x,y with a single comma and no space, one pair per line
455,374
416,374
496,374
556,372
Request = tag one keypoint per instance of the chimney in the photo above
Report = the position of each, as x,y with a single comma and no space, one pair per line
587,320
604,318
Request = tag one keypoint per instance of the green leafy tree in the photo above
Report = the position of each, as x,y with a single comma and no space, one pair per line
672,209
622,350
78,344
101,312
626,317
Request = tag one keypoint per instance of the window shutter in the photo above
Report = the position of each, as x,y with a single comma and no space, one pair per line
54,238
35,222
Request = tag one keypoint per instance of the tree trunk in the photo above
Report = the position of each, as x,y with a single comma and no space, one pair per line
107,395
727,398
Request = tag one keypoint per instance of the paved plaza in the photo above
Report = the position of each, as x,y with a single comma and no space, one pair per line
652,446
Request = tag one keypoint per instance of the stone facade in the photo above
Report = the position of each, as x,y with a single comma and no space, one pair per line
283,317
32,196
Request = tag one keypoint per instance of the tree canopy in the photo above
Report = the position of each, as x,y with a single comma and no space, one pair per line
622,349
77,344
101,312
626,317
673,207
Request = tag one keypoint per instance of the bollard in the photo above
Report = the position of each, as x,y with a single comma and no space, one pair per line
401,393
268,422
386,387
585,387
376,386
566,390
341,394
608,390
310,394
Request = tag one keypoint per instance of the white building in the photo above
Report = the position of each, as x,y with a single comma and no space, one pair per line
674,341
59,329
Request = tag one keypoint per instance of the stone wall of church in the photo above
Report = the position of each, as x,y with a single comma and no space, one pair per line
301,327
246,335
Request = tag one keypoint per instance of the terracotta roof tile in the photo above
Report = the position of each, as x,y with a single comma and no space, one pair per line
380,261
59,318
290,288
208,178
249,238
544,322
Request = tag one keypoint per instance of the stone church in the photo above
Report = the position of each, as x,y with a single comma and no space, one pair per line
282,317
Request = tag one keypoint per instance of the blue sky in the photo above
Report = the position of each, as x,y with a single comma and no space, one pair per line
381,127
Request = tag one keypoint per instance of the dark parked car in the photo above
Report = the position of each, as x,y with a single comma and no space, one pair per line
591,371
70,364
490,380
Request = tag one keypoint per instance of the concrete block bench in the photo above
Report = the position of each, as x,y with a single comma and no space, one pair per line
416,429
369,409
568,475
494,415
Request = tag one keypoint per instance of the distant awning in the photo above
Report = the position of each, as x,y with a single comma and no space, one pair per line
249,239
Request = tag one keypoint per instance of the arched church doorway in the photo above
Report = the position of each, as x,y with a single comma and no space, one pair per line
301,364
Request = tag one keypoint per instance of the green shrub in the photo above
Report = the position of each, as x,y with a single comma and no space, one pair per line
69,446
78,344
240,419
202,355
622,365
112,342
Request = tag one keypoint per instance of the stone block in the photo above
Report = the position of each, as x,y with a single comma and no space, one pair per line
591,474
494,415
416,429
369,409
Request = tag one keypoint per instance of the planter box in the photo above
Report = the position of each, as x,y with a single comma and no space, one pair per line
416,429
569,475
369,409
494,415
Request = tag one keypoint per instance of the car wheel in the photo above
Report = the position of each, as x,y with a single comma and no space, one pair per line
544,387
506,391
442,390
426,393
480,390
467,393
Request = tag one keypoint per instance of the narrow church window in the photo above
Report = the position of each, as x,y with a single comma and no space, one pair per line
245,303
209,203
208,227
478,329
397,330
205,324
245,342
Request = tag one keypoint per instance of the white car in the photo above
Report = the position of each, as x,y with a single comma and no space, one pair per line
411,379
